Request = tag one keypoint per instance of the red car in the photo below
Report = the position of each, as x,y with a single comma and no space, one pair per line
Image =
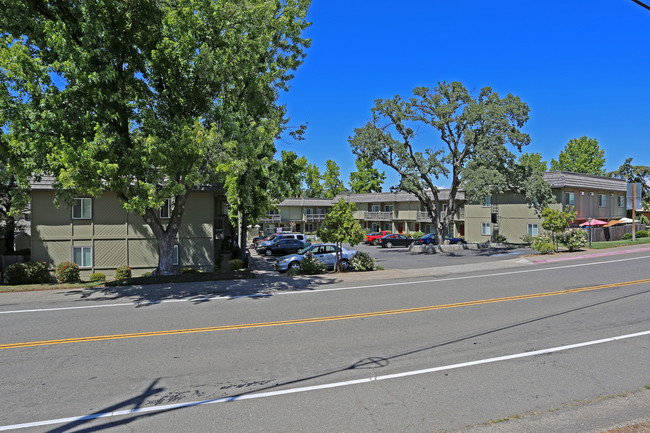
373,238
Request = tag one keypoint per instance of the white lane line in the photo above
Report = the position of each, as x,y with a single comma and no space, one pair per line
319,387
331,289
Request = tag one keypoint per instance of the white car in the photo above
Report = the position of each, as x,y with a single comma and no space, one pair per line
325,253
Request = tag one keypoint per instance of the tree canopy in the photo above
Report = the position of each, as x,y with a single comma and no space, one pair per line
332,184
340,226
476,133
367,178
151,99
581,155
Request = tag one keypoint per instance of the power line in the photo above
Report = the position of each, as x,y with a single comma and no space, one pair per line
640,3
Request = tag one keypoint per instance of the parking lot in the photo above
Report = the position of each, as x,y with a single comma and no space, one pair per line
402,258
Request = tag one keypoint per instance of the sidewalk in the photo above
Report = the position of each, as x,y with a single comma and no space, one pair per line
264,271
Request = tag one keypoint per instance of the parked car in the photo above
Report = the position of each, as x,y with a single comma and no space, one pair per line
277,236
373,238
430,239
325,253
395,240
282,246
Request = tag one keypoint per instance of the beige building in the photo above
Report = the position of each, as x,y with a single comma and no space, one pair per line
510,217
99,235
499,216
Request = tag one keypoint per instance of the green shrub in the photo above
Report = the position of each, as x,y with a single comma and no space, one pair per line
642,234
500,239
236,264
122,273
379,268
527,239
67,272
362,261
292,272
574,239
311,265
190,271
27,273
146,274
418,235
14,275
98,276
627,236
543,244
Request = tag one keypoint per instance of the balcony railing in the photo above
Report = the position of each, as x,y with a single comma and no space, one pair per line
378,216
424,216
270,219
314,217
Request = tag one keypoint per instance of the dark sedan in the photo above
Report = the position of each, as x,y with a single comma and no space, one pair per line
430,239
395,240
283,247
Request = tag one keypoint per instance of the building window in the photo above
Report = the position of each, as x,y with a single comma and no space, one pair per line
602,200
175,260
309,211
532,229
487,201
486,230
83,256
321,211
374,208
309,227
166,209
375,227
621,201
388,208
569,199
82,209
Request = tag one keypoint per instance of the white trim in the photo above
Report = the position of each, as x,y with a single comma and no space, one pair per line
79,204
82,248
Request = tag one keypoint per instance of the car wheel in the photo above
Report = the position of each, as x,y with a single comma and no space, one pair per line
294,265
268,252
344,264
375,242
389,245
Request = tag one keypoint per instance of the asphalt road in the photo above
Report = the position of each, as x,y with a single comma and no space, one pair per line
431,354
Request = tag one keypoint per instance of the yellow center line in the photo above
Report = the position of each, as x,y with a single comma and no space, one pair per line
317,319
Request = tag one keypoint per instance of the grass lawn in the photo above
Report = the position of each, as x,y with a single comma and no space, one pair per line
614,244
137,281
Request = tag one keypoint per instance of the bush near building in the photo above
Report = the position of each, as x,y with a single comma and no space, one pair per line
27,273
122,273
67,272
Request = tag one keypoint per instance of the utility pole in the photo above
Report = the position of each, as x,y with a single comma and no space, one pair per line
633,212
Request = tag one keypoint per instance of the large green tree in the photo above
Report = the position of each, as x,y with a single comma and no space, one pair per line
340,226
312,180
581,155
366,178
332,184
150,99
476,132
635,174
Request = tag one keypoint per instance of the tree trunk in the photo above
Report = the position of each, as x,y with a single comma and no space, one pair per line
165,254
9,231
242,236
337,265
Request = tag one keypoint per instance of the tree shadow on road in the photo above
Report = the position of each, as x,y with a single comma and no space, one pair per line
368,363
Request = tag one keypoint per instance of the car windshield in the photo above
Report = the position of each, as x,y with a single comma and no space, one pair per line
305,250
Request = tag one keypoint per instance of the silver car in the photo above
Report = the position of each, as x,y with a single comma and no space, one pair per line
325,253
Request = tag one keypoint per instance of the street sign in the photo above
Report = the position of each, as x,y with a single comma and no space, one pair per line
637,192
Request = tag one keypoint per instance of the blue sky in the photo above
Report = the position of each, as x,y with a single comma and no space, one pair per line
582,66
